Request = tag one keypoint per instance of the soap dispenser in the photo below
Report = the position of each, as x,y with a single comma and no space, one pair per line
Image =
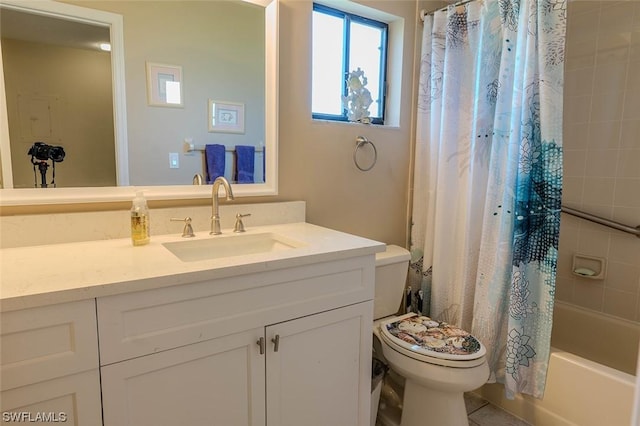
140,221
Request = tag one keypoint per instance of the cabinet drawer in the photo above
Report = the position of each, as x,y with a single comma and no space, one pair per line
47,342
146,322
217,382
70,400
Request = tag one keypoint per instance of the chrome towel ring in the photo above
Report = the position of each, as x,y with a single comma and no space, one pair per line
360,142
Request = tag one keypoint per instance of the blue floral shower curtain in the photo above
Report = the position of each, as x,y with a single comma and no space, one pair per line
488,178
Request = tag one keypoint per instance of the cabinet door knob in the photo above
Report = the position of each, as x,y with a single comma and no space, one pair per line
276,342
260,343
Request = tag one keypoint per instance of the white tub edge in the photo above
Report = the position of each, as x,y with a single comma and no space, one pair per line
578,392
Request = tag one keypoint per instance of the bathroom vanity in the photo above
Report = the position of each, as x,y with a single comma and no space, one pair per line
106,333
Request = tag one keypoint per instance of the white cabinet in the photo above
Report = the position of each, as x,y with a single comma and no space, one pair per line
205,353
274,346
49,364
315,369
320,375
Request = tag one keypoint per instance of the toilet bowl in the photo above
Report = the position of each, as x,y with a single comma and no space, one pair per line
439,362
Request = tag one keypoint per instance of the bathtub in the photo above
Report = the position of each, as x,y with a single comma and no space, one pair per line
576,329
580,391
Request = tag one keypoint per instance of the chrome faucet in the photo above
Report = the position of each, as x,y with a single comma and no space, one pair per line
215,216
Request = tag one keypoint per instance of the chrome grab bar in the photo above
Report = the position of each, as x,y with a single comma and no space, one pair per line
602,221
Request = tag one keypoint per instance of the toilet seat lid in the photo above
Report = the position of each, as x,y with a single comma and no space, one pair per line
437,339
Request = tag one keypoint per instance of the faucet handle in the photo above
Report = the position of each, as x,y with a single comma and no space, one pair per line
187,232
239,227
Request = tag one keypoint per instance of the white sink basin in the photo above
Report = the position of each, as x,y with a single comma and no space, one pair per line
218,247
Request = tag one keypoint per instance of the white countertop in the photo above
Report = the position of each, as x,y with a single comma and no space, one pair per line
50,274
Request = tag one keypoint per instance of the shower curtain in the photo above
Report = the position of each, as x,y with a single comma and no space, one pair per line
488,178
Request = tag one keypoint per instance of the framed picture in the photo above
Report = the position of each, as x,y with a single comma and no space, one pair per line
164,85
226,116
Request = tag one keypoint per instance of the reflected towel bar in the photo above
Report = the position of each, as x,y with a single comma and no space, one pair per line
190,147
602,221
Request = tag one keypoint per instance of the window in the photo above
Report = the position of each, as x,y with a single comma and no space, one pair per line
342,43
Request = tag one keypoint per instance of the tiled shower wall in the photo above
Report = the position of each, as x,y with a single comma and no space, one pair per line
602,153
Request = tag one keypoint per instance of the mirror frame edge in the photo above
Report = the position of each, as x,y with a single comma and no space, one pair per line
88,195
6,171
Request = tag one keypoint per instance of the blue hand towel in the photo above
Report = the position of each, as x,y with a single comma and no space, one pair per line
214,156
245,159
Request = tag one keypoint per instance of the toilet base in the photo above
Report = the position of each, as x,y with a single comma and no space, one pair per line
423,406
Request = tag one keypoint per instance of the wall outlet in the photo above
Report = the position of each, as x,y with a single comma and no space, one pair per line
174,160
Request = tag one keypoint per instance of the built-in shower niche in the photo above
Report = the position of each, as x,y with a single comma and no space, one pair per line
591,267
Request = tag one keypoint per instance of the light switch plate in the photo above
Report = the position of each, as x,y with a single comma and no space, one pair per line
174,160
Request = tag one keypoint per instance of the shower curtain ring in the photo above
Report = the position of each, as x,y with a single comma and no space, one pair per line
360,142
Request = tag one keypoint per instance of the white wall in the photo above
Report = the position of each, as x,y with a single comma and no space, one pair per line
316,162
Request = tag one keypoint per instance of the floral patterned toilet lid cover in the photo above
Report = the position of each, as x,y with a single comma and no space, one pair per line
437,339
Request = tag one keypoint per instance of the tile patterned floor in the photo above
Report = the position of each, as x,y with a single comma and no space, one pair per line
482,413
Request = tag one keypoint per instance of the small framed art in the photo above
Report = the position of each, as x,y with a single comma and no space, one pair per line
164,85
226,116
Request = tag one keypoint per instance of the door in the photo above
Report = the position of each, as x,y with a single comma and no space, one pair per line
319,369
215,382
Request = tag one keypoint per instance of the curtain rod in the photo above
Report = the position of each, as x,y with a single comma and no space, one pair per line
424,13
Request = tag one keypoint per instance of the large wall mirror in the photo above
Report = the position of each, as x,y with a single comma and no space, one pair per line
97,105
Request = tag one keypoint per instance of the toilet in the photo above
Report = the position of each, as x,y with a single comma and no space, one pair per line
438,361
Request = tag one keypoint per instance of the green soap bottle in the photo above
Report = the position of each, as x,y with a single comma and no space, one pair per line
140,221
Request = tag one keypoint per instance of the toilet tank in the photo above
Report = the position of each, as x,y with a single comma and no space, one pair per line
391,275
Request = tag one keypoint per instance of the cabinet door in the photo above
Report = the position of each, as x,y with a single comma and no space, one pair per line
320,373
215,382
